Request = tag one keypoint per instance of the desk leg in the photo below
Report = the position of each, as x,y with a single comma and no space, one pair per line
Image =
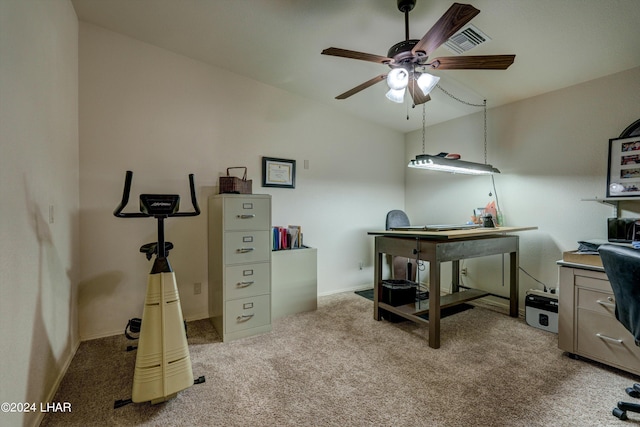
514,263
455,276
377,285
434,304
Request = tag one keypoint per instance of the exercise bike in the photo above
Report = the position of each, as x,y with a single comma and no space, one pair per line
163,363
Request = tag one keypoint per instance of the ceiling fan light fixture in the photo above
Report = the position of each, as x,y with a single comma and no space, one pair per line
398,78
396,95
406,56
426,82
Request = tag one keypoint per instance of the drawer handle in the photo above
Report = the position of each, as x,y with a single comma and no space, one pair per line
606,338
606,304
247,216
244,283
245,250
244,317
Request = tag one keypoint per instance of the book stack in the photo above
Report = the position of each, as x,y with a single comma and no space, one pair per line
286,237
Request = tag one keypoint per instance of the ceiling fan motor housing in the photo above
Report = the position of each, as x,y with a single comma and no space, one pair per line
401,52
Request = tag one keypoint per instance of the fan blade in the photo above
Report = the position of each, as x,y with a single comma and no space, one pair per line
479,62
363,86
417,95
344,53
455,18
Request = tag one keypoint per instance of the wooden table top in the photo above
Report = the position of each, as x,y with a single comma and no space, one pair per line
450,234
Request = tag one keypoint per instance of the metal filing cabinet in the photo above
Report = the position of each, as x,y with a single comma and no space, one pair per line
240,264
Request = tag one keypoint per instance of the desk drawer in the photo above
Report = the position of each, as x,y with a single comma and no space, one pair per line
247,313
603,338
247,214
246,280
593,280
600,302
247,246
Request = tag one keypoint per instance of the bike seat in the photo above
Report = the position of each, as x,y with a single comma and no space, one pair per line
151,249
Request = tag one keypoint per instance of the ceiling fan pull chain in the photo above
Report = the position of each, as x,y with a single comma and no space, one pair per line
423,126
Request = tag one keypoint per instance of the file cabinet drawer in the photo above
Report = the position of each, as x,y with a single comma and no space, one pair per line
247,280
247,246
247,313
603,338
247,214
600,302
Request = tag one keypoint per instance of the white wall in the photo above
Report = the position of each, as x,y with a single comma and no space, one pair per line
38,170
552,151
164,116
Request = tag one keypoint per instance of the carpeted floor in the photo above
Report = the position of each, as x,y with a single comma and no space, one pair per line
338,367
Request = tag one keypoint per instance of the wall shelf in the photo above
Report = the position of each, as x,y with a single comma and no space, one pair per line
613,201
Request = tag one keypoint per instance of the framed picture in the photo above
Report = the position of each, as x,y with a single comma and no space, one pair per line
632,130
623,178
278,172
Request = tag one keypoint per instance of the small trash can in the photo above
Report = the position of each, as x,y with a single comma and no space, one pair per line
396,293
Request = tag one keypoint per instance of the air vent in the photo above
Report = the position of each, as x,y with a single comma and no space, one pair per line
466,39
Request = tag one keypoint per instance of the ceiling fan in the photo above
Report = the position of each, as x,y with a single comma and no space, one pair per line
409,59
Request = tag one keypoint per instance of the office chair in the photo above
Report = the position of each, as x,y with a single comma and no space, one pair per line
402,268
622,266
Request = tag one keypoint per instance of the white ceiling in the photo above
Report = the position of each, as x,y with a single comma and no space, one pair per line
557,43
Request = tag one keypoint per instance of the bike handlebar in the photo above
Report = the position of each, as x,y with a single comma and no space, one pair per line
125,200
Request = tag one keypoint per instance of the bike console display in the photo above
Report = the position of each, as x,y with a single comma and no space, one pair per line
159,204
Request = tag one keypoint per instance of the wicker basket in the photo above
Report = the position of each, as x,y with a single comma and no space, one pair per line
235,185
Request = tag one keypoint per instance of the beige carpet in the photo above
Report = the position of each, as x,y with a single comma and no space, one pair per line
339,367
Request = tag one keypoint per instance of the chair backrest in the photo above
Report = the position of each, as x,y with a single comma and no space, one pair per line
622,266
397,218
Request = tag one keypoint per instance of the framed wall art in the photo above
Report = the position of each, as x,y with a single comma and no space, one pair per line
623,177
278,172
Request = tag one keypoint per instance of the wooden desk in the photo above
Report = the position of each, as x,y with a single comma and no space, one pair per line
436,247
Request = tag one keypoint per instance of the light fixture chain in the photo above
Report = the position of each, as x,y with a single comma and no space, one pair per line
484,105
458,99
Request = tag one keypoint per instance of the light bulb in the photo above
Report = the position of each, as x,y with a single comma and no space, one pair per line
426,82
396,95
398,78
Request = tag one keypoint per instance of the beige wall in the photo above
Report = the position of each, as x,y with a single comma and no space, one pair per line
164,116
552,151
38,172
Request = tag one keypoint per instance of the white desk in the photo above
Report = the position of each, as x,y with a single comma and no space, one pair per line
436,247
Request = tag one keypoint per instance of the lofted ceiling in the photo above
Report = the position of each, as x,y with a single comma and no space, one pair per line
557,43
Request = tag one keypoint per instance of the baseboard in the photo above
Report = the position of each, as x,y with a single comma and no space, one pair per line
343,290
58,381
102,335
199,316
487,303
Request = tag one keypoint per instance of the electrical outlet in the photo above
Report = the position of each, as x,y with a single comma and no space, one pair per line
464,271
197,288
